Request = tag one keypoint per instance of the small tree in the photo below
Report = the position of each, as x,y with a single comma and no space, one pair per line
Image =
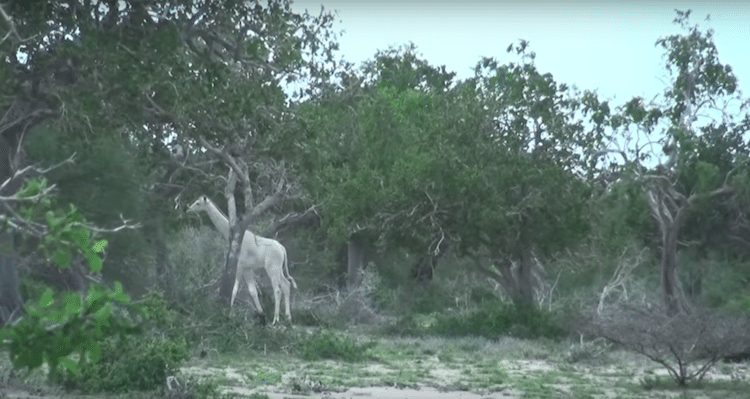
687,345
701,166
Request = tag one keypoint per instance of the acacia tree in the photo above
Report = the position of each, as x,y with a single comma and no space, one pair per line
160,77
259,49
705,166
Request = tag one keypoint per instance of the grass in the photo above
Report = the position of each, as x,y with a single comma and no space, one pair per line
532,368
519,368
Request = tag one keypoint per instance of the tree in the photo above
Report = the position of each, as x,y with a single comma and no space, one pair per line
526,171
246,134
158,77
367,146
703,165
493,165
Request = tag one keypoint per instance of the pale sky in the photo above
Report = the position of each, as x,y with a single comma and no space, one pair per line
593,45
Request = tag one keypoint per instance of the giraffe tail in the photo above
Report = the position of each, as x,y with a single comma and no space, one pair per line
286,269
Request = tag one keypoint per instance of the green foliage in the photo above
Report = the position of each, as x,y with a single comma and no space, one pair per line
406,325
695,61
105,183
197,256
53,329
154,309
727,287
65,232
329,345
423,299
402,69
498,321
411,160
128,364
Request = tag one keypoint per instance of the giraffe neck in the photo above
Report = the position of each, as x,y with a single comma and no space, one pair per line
218,219
221,222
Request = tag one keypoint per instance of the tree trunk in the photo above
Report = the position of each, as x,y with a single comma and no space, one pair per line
11,304
161,255
524,279
355,264
11,157
672,294
230,267
517,283
424,269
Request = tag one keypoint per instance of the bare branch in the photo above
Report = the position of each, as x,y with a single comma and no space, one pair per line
228,159
125,225
267,202
294,218
611,150
28,170
12,32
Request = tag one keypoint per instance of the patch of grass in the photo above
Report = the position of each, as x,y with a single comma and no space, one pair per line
329,345
649,383
446,357
267,376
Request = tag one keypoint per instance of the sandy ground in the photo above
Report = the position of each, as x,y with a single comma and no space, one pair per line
382,393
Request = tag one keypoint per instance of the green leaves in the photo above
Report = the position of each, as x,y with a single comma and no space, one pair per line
416,157
65,232
46,298
57,327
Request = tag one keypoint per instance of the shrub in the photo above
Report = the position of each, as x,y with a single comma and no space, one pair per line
136,362
687,345
127,364
328,345
498,321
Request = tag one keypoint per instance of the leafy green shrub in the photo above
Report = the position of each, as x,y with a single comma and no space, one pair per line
138,362
498,321
328,345
159,316
739,304
127,364
53,329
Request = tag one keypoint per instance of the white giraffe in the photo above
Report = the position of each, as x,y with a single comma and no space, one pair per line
255,252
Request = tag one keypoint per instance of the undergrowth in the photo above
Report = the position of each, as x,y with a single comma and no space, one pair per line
329,345
136,362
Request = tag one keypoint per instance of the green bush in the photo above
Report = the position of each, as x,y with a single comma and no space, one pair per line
328,345
57,326
136,362
498,321
404,326
127,364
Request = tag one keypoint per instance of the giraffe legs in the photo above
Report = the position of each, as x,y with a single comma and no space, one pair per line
252,288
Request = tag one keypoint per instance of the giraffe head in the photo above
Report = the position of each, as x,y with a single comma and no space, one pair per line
201,204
